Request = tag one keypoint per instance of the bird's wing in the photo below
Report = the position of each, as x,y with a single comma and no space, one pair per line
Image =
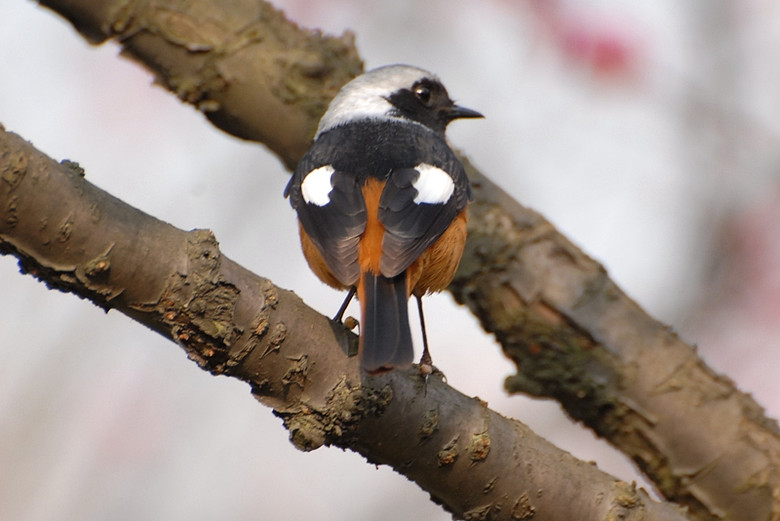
417,206
332,212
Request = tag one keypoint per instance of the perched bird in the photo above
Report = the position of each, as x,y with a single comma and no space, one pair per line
381,202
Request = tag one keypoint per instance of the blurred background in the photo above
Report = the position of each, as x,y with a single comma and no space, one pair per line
647,132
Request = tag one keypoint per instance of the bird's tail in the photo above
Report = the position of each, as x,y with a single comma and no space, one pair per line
385,337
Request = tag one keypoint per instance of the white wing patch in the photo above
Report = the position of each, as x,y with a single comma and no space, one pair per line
434,186
316,186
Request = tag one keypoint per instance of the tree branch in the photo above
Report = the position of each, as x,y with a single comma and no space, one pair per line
575,336
80,239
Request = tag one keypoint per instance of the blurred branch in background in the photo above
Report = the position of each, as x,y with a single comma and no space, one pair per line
732,133
550,305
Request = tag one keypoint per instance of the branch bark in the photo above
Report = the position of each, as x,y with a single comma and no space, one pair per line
80,239
574,335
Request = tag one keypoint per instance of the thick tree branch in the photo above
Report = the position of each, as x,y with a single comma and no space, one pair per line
80,239
575,336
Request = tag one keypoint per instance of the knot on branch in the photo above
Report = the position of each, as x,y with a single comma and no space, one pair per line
310,427
200,306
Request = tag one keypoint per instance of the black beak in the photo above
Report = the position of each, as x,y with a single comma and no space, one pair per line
457,112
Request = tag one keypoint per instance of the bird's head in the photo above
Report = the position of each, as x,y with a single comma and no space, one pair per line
395,92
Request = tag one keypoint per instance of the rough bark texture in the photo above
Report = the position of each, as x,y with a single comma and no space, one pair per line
575,336
476,463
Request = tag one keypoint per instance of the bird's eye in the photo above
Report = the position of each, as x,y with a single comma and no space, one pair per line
423,94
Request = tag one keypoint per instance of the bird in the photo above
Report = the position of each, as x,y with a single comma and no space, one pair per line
381,201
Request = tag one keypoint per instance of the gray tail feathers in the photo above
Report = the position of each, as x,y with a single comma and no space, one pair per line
385,338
